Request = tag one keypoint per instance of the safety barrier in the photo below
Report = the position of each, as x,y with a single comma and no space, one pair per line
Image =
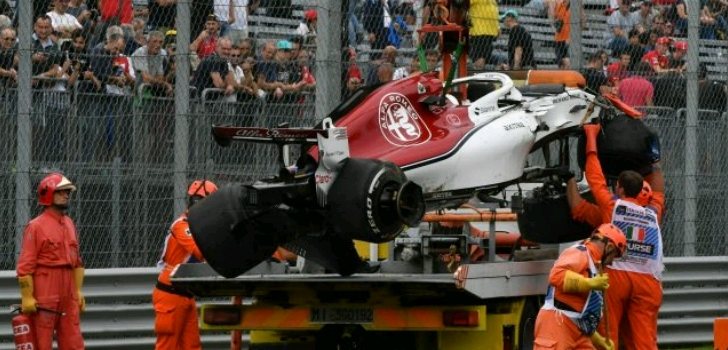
119,314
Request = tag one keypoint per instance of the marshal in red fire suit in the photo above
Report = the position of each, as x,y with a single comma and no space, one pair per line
50,255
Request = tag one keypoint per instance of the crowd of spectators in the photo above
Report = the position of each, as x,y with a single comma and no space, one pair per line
115,46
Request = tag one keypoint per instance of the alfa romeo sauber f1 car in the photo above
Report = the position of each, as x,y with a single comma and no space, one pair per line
390,153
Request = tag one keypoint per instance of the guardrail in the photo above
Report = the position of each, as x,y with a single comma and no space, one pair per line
119,313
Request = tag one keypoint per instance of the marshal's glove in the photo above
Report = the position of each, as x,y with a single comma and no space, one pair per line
28,303
601,342
577,283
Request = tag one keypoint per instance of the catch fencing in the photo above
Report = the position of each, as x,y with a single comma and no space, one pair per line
133,149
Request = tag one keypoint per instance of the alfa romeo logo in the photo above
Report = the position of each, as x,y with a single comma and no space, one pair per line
399,122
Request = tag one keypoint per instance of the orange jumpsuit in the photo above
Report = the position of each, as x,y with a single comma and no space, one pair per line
634,298
175,310
50,254
554,330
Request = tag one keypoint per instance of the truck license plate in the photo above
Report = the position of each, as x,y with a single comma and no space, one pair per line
341,315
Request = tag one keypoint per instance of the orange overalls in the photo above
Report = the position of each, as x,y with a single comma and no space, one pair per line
634,298
50,254
175,310
555,330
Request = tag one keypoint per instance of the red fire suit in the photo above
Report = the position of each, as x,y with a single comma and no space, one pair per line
50,253
553,329
634,298
176,311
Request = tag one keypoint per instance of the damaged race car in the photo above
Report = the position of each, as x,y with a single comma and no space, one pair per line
390,153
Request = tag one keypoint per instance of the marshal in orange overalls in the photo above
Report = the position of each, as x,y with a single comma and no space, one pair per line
635,297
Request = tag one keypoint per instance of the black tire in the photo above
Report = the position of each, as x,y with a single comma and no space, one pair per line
362,203
526,325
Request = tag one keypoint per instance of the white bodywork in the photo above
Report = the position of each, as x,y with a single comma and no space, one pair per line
496,149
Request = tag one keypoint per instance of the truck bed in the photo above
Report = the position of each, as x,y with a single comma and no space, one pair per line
474,282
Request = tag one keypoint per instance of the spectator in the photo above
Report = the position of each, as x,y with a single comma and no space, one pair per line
78,56
715,11
162,14
46,58
596,80
138,38
149,62
308,25
304,71
245,85
713,95
677,60
620,69
560,13
657,58
102,62
353,83
296,44
213,71
79,9
620,23
407,19
116,12
645,15
233,15
403,72
385,73
484,31
206,42
635,49
520,46
660,25
433,60
565,63
389,55
376,19
278,76
8,58
636,90
679,16
246,46
62,22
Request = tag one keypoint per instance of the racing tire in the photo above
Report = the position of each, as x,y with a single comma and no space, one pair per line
362,200
527,324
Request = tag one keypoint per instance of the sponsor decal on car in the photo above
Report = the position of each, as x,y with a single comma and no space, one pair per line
400,123
453,119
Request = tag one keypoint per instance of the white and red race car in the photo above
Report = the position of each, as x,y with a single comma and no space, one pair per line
389,153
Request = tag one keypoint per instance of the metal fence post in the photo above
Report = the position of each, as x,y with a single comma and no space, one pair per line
691,132
328,57
25,99
575,49
181,106
116,247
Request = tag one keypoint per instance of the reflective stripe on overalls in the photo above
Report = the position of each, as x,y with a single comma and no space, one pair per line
589,318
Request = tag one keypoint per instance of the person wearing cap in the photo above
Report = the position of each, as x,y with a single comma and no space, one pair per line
308,25
276,76
49,269
657,58
636,207
520,45
206,42
677,60
572,309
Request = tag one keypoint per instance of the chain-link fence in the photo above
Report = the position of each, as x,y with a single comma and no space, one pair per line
124,92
